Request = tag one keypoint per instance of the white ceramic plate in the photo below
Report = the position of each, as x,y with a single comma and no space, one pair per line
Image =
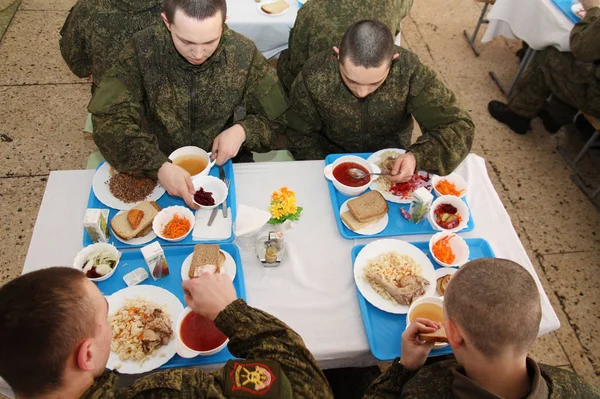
171,305
370,229
136,240
262,3
228,268
102,192
441,272
376,248
375,158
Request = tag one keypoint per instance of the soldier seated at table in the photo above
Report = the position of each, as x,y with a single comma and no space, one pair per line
189,81
321,24
573,80
55,342
363,96
492,314
96,31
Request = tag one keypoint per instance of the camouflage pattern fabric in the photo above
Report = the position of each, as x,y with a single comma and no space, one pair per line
321,24
96,31
446,379
325,117
253,334
153,101
572,77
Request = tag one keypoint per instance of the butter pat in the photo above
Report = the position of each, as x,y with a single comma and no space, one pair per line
95,223
135,277
155,259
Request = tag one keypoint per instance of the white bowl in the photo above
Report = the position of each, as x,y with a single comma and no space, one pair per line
459,183
459,204
211,184
457,244
163,217
347,190
183,350
79,261
191,150
426,299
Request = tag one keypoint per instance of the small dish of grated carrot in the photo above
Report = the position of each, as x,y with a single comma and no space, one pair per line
442,250
452,184
449,249
176,227
174,223
447,188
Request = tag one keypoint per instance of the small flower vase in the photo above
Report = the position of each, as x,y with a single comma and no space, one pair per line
284,227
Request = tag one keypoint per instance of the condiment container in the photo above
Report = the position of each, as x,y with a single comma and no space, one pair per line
95,223
155,259
420,204
135,277
270,251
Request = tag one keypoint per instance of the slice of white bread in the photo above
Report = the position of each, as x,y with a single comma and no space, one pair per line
206,254
354,224
368,207
276,7
120,225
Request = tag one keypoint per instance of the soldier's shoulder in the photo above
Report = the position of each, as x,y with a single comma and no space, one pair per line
151,36
319,65
431,381
238,41
565,383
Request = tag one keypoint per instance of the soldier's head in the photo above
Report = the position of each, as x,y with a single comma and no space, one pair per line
196,26
492,311
365,56
54,334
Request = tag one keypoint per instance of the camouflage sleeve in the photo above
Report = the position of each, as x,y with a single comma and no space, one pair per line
72,43
303,123
255,334
116,109
390,383
447,129
265,102
585,37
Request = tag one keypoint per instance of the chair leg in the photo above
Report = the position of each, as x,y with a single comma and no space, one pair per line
578,176
529,55
480,21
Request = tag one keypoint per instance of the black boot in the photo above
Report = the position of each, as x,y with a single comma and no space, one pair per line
501,112
549,123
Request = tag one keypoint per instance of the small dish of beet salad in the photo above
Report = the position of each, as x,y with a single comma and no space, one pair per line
210,192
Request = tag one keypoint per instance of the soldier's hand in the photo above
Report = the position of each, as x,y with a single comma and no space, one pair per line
227,144
587,4
177,181
209,294
414,350
404,168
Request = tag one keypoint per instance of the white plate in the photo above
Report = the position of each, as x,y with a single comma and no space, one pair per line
228,268
374,158
171,305
102,192
369,230
376,248
262,3
441,272
135,240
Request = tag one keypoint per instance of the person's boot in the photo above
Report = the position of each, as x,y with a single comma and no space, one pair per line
500,111
584,127
549,123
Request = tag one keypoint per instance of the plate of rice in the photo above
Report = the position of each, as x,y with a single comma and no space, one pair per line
393,261
143,320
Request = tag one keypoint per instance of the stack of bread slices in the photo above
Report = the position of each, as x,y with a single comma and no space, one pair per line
365,210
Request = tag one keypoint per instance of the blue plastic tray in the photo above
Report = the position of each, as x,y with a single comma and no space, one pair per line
565,7
132,259
165,201
397,225
384,330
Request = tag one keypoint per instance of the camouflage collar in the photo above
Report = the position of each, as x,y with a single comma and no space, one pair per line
217,57
103,387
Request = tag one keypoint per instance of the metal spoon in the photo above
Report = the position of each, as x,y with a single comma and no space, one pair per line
358,174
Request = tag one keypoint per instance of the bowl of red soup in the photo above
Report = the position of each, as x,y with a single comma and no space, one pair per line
198,336
449,213
343,171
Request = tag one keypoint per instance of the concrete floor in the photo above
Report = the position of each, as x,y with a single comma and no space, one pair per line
43,108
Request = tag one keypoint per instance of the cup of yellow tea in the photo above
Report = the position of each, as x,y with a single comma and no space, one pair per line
427,307
194,160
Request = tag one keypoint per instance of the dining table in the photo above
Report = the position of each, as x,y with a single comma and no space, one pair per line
313,289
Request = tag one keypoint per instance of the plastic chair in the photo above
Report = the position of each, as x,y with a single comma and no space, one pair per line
480,21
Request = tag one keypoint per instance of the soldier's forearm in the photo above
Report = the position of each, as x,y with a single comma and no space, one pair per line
390,383
585,37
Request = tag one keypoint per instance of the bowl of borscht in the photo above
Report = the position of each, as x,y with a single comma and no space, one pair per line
343,181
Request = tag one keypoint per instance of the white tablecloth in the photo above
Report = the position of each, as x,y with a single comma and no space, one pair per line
538,22
270,33
313,289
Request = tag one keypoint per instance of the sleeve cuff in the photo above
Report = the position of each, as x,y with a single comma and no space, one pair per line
232,317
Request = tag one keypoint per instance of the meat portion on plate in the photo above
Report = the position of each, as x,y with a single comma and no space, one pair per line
157,331
404,290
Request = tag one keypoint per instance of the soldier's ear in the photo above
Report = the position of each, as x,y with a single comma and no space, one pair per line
395,56
163,16
337,51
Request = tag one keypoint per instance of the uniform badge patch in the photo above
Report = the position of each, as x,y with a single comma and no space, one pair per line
252,379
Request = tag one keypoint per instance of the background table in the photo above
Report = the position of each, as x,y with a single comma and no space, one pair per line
537,22
270,33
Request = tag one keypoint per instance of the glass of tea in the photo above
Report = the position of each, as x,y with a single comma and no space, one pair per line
194,160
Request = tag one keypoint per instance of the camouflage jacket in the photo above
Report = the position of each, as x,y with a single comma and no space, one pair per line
321,24
447,380
153,101
325,117
585,38
96,31
253,334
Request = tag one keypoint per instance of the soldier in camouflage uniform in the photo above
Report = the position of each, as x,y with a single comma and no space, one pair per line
191,81
573,80
364,98
97,30
320,24
57,317
492,314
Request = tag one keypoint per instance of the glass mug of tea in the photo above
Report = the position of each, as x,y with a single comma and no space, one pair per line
193,159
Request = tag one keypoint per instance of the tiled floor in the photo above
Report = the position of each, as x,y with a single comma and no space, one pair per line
42,110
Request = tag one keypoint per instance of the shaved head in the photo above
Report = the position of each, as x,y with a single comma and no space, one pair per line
368,44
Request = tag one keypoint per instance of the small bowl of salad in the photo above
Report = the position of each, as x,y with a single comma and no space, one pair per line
97,261
449,213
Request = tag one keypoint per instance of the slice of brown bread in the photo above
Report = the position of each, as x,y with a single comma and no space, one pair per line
354,224
276,7
120,225
438,336
368,207
204,254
